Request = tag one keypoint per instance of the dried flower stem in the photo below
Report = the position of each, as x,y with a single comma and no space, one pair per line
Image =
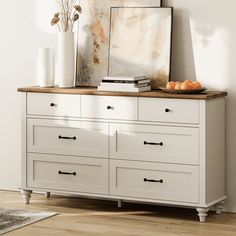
69,13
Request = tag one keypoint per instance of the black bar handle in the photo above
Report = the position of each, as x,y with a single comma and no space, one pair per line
153,180
66,173
62,137
151,143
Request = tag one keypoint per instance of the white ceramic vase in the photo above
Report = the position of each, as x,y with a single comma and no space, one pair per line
46,67
66,59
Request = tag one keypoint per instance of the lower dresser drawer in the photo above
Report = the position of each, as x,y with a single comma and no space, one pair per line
157,181
76,174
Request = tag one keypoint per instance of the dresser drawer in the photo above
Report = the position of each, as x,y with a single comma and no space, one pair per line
67,137
53,104
108,107
154,181
67,173
169,110
154,143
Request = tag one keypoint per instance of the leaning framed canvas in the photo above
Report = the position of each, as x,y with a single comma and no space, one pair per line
140,43
97,28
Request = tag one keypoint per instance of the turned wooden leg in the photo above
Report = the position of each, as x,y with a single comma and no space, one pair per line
119,203
202,213
47,194
26,195
219,207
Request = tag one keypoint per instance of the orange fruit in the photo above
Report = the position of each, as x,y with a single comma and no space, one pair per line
178,85
170,85
197,85
188,81
186,86
173,85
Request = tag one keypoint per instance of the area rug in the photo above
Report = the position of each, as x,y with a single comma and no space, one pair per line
11,219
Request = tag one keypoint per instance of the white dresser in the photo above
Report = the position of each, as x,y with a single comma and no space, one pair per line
147,147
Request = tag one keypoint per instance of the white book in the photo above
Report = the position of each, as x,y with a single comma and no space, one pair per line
121,89
123,85
142,81
134,78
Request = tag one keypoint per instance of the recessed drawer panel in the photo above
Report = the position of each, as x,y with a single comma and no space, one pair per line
154,181
154,143
108,107
53,104
169,110
67,137
67,173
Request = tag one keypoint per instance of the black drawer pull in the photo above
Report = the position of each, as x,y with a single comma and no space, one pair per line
66,173
153,144
52,104
153,180
110,108
72,138
167,110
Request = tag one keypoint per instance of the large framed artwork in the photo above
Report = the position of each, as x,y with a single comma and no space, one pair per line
105,45
140,43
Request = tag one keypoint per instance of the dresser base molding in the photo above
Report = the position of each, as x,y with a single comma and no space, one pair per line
216,202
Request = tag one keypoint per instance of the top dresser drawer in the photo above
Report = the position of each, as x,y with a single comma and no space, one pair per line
108,107
53,104
169,110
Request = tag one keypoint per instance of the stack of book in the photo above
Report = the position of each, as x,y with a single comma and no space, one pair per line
125,84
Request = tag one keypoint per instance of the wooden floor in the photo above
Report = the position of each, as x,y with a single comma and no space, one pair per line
88,217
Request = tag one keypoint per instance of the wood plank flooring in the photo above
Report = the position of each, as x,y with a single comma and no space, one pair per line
87,217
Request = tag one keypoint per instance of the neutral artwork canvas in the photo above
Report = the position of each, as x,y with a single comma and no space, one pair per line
140,43
94,37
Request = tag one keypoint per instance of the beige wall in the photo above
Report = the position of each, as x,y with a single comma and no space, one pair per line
204,48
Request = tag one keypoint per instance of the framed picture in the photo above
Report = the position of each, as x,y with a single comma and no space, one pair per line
93,58
140,43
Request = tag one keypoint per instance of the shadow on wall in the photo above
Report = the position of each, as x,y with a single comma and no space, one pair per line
199,42
182,60
207,46
182,56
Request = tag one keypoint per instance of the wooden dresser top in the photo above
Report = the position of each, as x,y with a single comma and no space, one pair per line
151,94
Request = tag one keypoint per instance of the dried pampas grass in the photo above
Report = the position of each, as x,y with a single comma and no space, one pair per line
68,15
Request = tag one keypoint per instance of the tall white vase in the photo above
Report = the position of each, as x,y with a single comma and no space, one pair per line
66,59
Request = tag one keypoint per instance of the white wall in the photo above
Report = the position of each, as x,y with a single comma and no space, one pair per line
204,48
24,26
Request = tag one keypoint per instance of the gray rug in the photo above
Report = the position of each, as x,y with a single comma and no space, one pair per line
11,219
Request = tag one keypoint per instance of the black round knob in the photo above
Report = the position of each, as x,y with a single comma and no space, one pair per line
52,104
167,110
109,107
